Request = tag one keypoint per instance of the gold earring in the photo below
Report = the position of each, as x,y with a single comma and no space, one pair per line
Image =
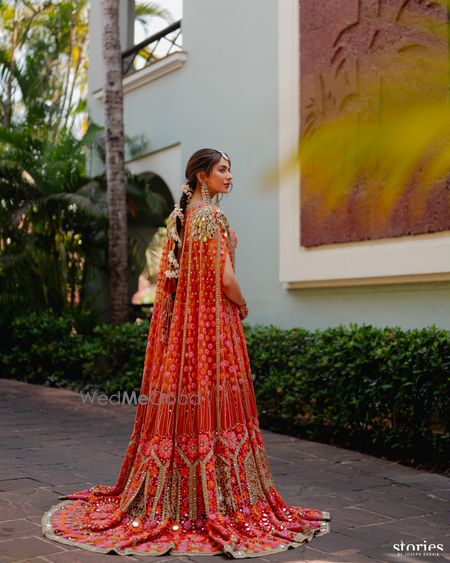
206,196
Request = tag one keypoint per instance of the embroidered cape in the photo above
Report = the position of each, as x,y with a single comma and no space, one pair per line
195,478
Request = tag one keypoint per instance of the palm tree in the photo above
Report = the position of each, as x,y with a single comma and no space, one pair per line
43,64
115,167
53,221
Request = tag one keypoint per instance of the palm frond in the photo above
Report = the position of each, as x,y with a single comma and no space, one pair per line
145,9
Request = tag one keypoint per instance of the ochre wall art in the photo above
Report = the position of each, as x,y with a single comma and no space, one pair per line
366,62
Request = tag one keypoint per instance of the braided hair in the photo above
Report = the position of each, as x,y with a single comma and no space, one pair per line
202,160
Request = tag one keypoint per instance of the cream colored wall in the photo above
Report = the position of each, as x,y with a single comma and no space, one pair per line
233,91
165,162
418,258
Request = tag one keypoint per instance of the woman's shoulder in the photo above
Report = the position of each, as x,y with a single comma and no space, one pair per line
207,219
222,218
207,209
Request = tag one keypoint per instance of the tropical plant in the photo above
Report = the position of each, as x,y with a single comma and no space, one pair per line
147,10
53,215
43,64
53,221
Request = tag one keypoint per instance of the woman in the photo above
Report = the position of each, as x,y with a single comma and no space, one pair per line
195,477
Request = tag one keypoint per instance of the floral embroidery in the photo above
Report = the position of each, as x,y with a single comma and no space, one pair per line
195,478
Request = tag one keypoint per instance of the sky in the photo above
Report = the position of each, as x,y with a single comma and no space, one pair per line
156,24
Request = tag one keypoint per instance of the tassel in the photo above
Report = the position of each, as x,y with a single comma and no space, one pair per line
167,316
170,285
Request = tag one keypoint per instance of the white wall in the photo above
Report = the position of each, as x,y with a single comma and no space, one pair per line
226,96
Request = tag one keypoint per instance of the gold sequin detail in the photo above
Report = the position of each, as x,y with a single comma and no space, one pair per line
223,221
224,493
204,223
137,507
192,483
253,480
204,480
161,479
218,289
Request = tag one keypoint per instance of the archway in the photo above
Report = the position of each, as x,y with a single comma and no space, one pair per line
149,235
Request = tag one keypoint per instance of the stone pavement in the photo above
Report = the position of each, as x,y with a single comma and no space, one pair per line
53,444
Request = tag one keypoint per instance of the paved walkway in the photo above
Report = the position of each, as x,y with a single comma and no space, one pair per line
53,445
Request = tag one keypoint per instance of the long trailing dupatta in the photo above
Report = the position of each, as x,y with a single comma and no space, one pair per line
208,235
195,477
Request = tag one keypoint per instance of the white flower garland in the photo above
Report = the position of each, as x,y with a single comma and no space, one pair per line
172,233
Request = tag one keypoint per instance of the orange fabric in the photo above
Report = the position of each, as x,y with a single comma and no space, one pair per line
195,477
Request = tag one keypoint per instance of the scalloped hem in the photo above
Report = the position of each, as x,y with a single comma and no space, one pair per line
229,550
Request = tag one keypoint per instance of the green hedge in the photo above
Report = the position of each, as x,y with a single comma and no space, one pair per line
64,352
384,390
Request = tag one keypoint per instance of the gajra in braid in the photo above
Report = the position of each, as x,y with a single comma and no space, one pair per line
174,224
184,200
201,160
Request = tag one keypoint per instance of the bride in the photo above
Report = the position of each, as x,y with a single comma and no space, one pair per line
195,478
